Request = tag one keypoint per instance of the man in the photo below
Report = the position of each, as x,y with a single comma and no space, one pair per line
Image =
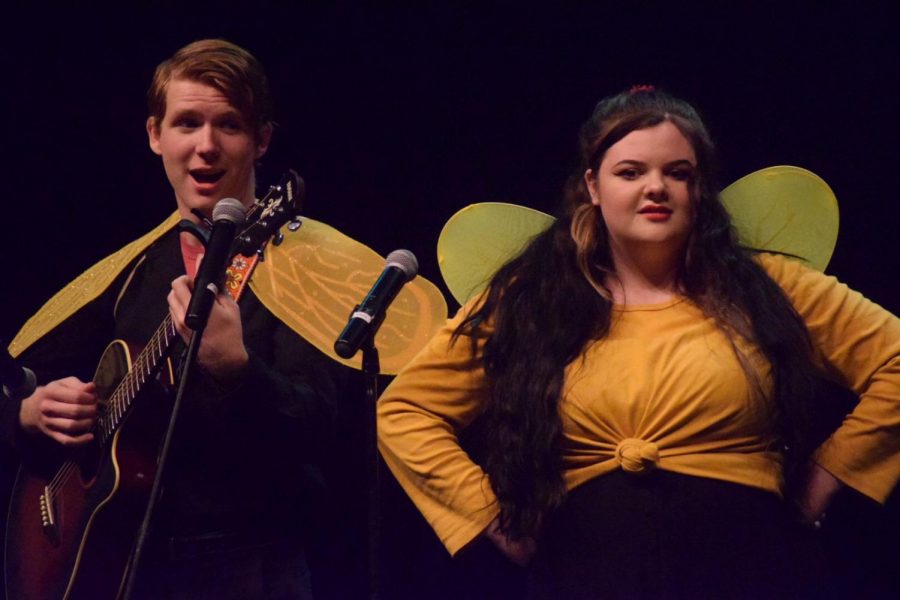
261,403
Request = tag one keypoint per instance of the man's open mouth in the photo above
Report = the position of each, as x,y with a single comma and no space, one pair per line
207,176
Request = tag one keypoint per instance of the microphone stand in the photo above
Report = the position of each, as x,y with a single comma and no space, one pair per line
156,491
371,368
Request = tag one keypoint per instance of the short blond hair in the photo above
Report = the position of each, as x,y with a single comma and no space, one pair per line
222,65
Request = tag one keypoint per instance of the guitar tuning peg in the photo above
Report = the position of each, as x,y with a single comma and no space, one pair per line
295,224
276,241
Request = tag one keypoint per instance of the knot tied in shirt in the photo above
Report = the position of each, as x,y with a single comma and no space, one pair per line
637,456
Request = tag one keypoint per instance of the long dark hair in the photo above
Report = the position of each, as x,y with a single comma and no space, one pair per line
542,308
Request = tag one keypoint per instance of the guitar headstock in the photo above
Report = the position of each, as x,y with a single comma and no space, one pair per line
281,204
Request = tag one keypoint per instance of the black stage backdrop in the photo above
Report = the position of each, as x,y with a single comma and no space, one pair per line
397,116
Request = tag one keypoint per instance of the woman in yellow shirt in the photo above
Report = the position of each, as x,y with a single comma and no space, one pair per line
643,386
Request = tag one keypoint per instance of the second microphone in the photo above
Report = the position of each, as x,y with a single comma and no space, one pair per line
401,266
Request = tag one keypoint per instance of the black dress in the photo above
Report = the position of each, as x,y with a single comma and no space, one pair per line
664,535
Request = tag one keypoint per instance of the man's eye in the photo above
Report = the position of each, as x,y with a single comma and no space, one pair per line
187,123
232,126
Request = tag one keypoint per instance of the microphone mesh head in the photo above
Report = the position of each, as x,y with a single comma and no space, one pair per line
229,209
405,261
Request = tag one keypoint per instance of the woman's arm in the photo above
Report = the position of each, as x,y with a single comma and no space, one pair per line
441,391
857,343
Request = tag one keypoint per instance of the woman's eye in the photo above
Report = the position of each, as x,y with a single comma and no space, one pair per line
628,173
680,174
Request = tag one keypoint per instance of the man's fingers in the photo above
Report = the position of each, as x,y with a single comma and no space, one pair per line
71,440
73,383
183,287
70,395
178,300
69,427
69,410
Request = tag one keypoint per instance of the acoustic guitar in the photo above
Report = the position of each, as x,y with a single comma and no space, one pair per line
72,535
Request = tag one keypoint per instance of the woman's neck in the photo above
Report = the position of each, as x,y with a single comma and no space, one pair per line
646,275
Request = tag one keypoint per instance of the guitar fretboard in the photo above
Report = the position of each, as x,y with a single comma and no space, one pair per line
144,368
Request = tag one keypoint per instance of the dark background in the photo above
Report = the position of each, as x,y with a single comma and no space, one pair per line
398,115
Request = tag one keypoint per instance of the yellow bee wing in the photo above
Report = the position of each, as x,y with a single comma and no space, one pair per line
479,239
785,209
84,288
314,278
782,208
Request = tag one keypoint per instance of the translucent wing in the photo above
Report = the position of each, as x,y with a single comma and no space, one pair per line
479,239
782,208
315,277
785,209
84,288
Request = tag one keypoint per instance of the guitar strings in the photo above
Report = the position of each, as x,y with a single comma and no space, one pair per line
121,399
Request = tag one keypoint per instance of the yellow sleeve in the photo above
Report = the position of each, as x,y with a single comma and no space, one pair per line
858,343
441,391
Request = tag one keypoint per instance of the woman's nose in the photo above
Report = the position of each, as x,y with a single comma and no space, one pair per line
656,186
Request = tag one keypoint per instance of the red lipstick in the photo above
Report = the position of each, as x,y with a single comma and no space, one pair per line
656,212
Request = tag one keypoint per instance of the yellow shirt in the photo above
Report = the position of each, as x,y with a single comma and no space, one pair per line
664,388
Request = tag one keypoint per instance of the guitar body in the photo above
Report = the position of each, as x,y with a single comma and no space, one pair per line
75,541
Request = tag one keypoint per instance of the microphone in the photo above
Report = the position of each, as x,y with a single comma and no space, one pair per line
17,382
401,266
227,215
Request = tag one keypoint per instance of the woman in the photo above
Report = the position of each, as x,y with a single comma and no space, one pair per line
643,386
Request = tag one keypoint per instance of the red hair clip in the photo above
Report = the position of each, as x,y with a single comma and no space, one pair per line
635,89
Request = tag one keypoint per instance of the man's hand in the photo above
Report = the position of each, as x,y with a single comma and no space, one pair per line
64,410
222,352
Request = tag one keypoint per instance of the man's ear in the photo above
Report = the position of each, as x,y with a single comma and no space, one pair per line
153,135
263,140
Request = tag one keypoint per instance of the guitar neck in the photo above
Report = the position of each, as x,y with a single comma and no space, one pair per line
280,205
144,368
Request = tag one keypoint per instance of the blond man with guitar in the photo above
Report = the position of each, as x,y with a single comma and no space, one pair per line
258,411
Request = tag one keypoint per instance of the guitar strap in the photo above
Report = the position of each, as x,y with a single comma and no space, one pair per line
237,275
